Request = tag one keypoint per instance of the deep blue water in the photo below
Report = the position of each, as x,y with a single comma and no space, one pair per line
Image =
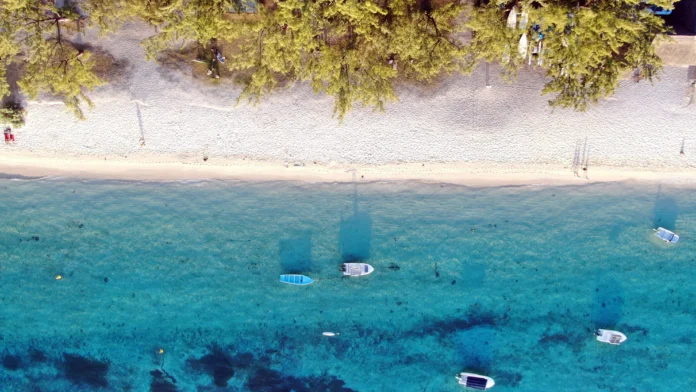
509,282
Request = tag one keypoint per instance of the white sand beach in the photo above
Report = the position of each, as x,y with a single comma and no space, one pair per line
455,131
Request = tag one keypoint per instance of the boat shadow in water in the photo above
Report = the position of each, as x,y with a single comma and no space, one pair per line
474,349
355,234
607,302
665,211
296,253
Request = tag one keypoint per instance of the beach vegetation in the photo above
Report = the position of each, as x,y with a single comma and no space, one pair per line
351,50
178,22
9,49
583,46
12,113
356,51
52,63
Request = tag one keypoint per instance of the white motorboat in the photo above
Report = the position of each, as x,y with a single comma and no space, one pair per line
475,381
610,337
666,235
356,269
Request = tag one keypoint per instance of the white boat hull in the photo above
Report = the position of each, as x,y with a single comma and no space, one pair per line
356,269
666,235
610,337
475,381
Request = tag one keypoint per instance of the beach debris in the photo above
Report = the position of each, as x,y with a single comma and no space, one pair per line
205,158
59,277
330,333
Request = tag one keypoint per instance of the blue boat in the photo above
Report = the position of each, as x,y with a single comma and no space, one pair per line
299,280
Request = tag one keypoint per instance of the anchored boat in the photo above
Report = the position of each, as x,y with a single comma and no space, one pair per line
666,235
475,381
356,269
610,337
299,280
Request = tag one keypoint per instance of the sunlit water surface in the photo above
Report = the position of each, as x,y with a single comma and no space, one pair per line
509,282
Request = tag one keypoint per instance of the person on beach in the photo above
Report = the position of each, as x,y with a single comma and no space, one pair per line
8,135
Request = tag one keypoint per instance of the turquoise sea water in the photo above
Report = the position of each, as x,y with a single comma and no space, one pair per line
509,282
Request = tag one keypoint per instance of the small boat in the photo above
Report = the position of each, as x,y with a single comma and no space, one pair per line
522,46
666,235
512,18
524,19
356,269
475,381
609,336
299,280
329,333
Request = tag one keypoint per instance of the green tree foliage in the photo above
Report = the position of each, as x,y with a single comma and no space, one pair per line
586,45
178,21
52,64
12,113
353,50
8,48
109,15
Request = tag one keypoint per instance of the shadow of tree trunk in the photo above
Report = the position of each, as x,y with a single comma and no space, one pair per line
15,96
12,106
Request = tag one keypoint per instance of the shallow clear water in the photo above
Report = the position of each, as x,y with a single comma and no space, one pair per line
505,281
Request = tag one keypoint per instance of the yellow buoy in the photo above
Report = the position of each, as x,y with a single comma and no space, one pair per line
58,277
160,351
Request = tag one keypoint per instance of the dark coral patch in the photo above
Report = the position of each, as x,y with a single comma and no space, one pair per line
217,364
451,325
84,371
11,362
242,360
36,355
162,382
268,380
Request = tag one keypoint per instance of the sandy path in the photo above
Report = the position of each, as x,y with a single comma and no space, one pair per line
461,128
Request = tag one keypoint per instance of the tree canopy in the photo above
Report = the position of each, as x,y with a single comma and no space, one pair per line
353,50
584,46
51,63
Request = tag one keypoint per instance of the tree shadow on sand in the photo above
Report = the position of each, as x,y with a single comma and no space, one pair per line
355,234
296,253
665,211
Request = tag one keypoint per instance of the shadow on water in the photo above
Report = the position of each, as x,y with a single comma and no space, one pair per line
665,211
296,253
474,349
355,234
607,302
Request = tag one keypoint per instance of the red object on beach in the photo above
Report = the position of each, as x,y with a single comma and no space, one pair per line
12,137
7,137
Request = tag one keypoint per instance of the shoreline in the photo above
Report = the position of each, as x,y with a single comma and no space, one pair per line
162,168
